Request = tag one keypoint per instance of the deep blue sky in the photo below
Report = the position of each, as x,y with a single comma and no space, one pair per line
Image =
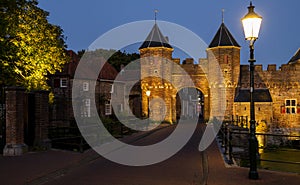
84,21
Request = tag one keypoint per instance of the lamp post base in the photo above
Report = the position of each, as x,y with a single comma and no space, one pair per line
253,175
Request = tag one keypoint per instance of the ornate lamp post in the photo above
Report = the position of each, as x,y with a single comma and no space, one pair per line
251,24
148,93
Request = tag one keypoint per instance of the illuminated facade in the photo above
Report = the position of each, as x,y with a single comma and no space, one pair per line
277,92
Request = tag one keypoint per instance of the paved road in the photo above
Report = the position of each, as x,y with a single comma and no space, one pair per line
184,168
188,167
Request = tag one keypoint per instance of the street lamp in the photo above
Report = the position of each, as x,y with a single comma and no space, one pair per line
148,93
251,24
199,108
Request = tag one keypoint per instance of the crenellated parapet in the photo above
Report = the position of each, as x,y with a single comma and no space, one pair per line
285,77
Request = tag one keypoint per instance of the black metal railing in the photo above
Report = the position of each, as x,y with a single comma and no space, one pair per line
236,135
67,138
70,138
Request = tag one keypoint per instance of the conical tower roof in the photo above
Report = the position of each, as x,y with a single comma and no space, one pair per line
223,37
295,58
155,39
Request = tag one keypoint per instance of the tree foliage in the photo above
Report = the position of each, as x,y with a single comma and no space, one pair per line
119,59
115,58
31,47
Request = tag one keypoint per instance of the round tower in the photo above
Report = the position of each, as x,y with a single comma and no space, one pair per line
156,76
225,52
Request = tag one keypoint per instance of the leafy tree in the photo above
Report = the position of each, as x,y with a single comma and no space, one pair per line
119,59
31,47
113,57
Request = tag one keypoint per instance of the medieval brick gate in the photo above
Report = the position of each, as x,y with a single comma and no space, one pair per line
24,120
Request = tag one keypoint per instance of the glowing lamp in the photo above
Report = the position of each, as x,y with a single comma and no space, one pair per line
251,24
148,93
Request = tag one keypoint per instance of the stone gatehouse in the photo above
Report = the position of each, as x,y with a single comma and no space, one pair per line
277,92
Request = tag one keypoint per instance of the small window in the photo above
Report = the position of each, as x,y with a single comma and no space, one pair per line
225,59
108,108
87,102
290,106
85,86
63,82
86,108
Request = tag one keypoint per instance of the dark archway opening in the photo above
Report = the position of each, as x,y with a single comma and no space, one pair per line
190,105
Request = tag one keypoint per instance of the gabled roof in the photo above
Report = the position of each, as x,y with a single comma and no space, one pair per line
223,37
155,39
108,72
259,95
295,58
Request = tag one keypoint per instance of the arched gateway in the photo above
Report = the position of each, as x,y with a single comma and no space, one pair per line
158,75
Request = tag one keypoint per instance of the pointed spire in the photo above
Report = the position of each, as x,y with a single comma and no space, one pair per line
223,10
223,37
155,14
155,39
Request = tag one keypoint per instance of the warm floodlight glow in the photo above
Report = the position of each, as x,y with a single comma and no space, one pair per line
148,93
251,24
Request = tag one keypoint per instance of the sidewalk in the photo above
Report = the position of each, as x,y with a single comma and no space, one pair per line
22,169
33,167
221,174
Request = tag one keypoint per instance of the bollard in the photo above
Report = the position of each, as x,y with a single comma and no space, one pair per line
225,138
223,135
230,161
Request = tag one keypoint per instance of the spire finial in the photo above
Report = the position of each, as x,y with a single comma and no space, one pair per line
223,10
155,14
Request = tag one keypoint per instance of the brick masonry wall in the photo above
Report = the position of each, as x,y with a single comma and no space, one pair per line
263,114
15,100
41,114
283,84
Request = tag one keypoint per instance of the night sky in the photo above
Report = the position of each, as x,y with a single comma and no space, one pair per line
85,21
